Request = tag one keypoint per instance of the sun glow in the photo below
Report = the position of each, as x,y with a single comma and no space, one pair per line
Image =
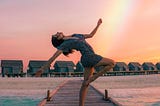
129,32
115,22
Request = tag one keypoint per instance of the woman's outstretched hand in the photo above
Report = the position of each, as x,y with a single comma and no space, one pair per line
39,72
99,22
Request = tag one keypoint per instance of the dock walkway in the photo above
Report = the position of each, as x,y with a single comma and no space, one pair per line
68,95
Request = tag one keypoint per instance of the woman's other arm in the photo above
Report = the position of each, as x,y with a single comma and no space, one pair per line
94,30
41,70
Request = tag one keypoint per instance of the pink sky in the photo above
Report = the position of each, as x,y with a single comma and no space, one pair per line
130,29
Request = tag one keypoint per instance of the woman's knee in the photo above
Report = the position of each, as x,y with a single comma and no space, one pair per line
109,62
85,83
112,63
88,73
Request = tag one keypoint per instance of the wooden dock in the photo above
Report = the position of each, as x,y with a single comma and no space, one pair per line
68,95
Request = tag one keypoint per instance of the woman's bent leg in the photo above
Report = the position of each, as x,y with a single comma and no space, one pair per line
107,63
84,88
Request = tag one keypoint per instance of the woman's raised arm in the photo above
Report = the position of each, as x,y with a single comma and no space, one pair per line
94,30
41,70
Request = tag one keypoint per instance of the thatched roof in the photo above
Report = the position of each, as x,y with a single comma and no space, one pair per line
135,64
121,64
11,63
36,63
149,64
64,64
158,64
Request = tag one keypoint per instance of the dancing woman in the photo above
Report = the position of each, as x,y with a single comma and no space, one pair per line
89,60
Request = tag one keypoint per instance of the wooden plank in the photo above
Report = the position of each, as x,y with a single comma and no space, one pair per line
43,102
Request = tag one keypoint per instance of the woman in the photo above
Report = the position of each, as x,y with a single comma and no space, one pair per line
66,45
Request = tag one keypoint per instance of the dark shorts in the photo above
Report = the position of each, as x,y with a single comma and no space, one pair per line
90,60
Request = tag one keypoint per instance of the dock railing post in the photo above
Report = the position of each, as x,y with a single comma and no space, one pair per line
106,95
48,95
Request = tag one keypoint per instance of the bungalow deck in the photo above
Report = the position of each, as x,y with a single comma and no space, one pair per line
68,95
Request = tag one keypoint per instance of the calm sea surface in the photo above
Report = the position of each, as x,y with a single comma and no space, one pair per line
19,101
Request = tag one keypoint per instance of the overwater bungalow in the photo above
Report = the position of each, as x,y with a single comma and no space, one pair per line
79,67
12,68
120,66
148,66
158,66
34,65
65,68
134,66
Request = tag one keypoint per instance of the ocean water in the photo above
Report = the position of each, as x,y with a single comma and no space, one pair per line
19,101
26,91
153,104
142,90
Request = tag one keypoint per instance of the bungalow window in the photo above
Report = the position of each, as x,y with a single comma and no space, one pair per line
124,69
116,69
152,68
62,69
35,70
7,70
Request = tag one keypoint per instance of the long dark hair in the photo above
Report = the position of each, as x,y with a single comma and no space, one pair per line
57,42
